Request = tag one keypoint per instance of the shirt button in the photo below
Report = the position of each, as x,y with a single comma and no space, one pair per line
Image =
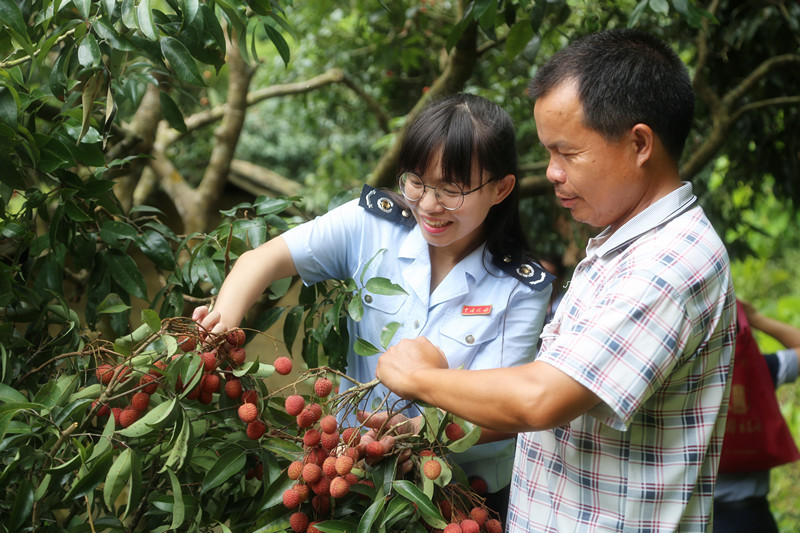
368,298
470,339
416,324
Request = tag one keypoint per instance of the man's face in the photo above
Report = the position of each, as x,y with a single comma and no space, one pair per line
599,181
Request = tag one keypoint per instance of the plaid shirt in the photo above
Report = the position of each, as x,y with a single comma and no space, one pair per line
648,326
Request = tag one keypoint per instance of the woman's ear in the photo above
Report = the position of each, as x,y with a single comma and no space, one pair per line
504,187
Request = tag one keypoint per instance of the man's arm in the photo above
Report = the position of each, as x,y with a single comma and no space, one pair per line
529,397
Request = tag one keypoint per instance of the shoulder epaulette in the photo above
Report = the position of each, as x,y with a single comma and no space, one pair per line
379,203
529,273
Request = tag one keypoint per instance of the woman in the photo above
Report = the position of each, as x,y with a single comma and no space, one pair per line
453,241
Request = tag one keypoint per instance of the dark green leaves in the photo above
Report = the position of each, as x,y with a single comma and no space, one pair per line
181,61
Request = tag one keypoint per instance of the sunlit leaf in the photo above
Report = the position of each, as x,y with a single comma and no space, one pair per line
181,61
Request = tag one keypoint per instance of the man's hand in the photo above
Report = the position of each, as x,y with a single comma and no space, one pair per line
397,365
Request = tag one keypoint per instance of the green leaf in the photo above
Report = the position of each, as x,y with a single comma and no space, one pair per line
89,94
91,478
230,464
178,510
398,509
9,106
172,112
84,7
384,286
153,420
11,17
466,442
117,234
518,36
369,516
291,326
283,448
23,505
126,273
112,303
280,43
152,319
144,18
660,6
11,395
355,308
430,513
157,249
135,485
365,348
117,478
387,333
89,52
181,61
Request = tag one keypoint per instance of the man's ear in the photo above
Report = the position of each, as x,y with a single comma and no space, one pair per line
643,140
504,187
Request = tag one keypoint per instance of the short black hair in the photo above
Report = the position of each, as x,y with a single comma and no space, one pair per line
625,77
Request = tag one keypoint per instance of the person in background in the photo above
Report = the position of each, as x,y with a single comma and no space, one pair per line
453,241
623,411
740,498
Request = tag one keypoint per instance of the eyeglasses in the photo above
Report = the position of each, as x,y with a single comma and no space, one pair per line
449,195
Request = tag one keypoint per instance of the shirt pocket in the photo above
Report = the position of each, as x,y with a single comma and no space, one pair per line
462,337
382,303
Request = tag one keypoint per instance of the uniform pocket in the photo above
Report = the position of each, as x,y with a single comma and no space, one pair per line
388,305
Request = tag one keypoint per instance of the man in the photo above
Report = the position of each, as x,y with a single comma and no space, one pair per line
624,408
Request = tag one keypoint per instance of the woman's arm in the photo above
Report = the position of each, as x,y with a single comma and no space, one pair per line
251,275
784,333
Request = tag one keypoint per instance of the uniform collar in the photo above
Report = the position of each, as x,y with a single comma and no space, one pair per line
665,209
415,248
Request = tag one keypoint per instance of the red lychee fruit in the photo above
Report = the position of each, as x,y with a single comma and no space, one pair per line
329,441
470,526
128,416
493,525
329,466
235,337
194,393
210,383
312,472
209,361
452,528
283,365
427,453
298,522
316,456
237,356
140,401
353,453
256,429
321,504
478,485
479,514
432,469
316,410
104,373
339,487
117,412
233,388
343,465
259,471
351,478
295,470
328,424
302,489
453,431
159,368
312,529
306,418
291,499
350,436
249,396
375,450
323,387
206,397
294,404
150,383
311,438
187,343
322,486
103,410
248,412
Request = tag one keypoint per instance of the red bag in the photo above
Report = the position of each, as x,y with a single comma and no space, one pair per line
756,435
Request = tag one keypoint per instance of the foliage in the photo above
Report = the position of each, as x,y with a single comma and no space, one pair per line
141,435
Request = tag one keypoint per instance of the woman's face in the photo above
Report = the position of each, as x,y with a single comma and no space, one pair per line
461,231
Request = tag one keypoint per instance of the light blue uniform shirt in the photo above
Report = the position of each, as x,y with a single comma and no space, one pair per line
339,244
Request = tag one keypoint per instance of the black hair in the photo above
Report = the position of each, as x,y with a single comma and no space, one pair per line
471,130
625,77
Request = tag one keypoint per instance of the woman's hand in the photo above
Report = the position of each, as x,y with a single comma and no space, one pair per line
209,321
